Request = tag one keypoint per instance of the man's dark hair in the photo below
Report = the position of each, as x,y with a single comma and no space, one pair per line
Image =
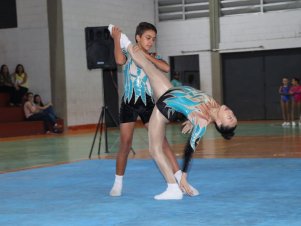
226,132
144,26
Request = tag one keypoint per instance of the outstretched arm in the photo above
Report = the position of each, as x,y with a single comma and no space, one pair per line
118,54
188,152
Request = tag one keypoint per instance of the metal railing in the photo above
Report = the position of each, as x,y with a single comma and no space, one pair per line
182,9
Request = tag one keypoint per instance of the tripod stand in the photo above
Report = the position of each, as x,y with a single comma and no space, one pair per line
105,111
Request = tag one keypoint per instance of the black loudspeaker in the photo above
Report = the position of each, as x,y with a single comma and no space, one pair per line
8,14
99,48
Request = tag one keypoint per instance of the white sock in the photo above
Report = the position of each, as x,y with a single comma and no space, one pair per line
173,192
110,28
178,176
117,187
124,40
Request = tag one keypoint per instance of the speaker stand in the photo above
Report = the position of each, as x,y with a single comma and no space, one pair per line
101,125
99,128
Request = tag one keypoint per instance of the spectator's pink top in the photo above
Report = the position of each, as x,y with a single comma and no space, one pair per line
296,92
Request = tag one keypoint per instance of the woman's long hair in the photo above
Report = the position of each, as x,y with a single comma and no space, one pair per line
17,71
226,132
41,102
2,69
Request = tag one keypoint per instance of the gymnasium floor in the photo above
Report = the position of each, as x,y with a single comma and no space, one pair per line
254,179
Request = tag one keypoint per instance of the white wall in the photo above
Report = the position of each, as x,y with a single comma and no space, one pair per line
28,44
272,30
192,37
84,87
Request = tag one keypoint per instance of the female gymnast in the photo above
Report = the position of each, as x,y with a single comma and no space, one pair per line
199,108
284,101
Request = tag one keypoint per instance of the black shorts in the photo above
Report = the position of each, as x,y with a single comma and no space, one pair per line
169,113
129,111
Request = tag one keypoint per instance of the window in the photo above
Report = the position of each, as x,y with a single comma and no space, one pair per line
231,7
182,9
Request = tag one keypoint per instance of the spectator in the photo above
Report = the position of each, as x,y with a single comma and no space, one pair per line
21,85
34,113
295,91
176,80
285,98
6,81
48,108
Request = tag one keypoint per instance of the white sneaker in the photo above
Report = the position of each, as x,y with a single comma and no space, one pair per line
110,28
299,123
169,195
293,124
173,192
116,190
284,124
124,40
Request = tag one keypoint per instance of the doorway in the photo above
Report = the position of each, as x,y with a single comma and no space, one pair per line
251,81
187,69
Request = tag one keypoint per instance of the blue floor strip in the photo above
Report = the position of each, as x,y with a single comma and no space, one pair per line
233,192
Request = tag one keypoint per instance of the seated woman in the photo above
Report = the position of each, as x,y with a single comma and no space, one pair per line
6,81
48,108
21,85
199,108
34,113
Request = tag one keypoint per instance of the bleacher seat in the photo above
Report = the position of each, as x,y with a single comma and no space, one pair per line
12,121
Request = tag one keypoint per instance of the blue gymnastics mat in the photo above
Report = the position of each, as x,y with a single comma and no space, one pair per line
233,192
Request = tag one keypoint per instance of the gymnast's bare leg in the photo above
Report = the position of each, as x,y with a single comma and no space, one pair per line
156,136
160,85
